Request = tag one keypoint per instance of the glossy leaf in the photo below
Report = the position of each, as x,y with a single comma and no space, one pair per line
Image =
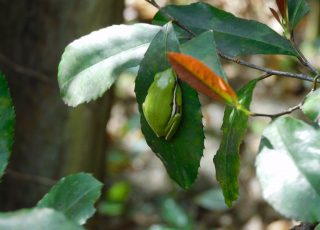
297,10
203,48
311,106
180,159
288,168
91,64
234,36
227,160
36,219
201,77
7,122
74,196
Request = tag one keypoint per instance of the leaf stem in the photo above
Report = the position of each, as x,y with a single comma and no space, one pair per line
170,17
304,61
315,81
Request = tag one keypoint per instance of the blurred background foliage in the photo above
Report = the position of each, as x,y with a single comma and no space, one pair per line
105,138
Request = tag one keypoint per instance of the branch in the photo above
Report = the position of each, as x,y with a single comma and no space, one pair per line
266,70
31,178
288,111
171,18
24,70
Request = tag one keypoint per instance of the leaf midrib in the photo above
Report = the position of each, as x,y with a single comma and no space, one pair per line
79,198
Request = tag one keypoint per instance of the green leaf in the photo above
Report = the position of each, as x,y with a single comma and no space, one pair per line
111,208
227,160
317,227
288,168
234,36
74,196
311,106
7,122
174,215
91,64
119,192
181,155
36,219
297,9
212,200
203,48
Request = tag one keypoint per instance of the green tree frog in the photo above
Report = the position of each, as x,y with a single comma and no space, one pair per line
163,104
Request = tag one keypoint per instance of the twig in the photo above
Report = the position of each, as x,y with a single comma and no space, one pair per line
32,178
288,111
171,18
315,81
266,70
24,70
264,76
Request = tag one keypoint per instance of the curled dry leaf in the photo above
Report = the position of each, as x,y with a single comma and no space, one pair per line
202,78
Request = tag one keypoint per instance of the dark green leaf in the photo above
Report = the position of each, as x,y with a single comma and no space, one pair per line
74,196
181,155
203,47
212,200
311,106
7,122
226,160
174,215
288,167
36,219
297,9
234,36
90,65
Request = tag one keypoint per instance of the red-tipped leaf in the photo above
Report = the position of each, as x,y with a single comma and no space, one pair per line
282,6
275,15
202,78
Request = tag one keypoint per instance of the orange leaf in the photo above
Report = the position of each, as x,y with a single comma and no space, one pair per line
275,15
201,77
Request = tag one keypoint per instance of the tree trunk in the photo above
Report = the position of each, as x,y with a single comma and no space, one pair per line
51,140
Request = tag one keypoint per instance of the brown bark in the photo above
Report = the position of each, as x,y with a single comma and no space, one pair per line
51,140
